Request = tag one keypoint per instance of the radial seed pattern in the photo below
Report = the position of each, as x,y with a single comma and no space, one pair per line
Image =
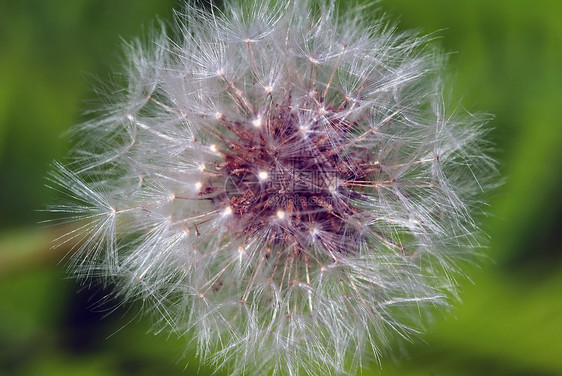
282,183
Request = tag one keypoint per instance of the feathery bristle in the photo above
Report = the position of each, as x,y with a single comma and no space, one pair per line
283,183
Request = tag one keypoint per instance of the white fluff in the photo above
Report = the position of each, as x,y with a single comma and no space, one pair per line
140,169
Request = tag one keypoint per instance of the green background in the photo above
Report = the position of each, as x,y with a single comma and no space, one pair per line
506,57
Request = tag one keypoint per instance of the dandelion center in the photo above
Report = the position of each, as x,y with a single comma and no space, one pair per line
311,180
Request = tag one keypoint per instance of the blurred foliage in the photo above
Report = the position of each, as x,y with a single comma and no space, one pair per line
506,57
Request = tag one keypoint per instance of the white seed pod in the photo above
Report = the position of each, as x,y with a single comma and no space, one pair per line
282,183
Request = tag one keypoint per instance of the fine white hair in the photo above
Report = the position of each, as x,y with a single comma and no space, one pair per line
313,279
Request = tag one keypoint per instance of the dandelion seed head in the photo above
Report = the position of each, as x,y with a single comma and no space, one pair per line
283,183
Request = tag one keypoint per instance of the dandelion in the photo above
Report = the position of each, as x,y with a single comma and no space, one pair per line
282,183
